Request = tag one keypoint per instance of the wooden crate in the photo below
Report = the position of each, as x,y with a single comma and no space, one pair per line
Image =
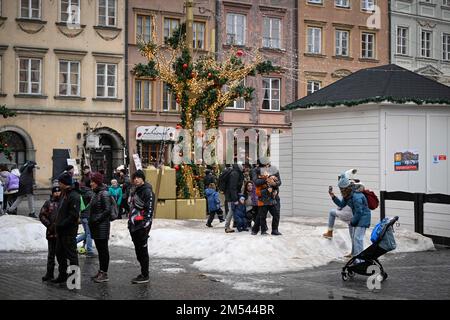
166,209
191,209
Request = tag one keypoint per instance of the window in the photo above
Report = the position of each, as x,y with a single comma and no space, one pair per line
342,3
402,40
169,99
446,3
271,32
69,78
142,95
315,1
314,40
368,46
106,80
70,11
236,25
30,9
107,13
199,35
143,28
445,47
150,154
0,8
368,5
342,42
1,59
425,43
30,76
170,25
271,98
238,103
313,86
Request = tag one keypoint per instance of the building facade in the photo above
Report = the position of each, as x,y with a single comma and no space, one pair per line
338,37
218,25
62,70
421,37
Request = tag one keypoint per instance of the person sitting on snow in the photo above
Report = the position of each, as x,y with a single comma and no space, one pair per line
240,213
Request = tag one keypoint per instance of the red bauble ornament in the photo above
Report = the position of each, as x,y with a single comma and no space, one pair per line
185,66
178,126
209,75
177,167
5,145
239,53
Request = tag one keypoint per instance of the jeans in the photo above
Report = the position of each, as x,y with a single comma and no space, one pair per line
103,253
345,214
229,215
86,236
19,199
140,240
358,240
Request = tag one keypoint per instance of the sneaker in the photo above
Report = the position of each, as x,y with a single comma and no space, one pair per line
276,233
101,277
140,279
47,277
33,215
81,250
228,230
96,276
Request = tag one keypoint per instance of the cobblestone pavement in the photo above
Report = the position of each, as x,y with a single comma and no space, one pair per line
422,275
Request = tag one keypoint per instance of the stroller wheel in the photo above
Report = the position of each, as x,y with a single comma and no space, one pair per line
384,275
351,274
344,276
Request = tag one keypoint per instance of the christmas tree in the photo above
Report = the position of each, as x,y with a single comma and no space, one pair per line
203,88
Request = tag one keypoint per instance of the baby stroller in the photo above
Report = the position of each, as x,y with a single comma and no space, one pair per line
382,242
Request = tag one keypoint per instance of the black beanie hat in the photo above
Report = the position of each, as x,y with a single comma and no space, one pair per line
65,178
56,189
139,174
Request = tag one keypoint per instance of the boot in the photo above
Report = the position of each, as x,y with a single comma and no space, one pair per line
60,279
328,234
228,230
209,225
276,233
47,277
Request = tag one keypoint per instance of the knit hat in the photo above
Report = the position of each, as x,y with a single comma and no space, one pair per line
56,189
344,182
97,177
65,178
139,174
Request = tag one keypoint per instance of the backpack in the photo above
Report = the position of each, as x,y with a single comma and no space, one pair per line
114,208
372,199
223,179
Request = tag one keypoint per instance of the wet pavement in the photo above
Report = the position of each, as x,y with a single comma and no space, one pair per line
421,275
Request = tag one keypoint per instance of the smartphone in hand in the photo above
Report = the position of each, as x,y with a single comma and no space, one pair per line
330,189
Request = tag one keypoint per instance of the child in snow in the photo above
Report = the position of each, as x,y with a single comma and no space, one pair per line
239,214
212,197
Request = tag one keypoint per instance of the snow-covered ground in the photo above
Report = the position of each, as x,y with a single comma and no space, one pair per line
301,246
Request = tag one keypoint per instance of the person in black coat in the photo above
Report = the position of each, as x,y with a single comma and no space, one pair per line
99,224
66,222
26,182
140,222
233,189
47,215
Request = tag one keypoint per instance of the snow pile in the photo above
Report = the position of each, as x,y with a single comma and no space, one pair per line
301,246
19,233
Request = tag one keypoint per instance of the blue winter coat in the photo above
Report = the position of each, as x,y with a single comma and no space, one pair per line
358,203
212,196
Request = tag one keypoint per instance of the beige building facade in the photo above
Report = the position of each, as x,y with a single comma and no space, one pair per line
62,70
339,37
